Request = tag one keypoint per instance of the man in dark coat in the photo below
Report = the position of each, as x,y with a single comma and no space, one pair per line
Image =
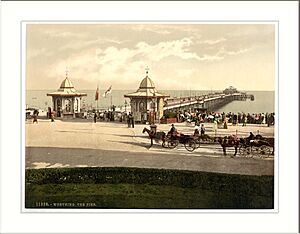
128,119
132,121
95,117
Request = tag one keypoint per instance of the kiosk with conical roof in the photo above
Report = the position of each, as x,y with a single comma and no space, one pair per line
147,103
66,100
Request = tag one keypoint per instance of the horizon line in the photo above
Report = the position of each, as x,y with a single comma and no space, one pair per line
264,90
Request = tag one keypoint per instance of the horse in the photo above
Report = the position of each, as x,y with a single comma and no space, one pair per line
158,135
229,141
205,137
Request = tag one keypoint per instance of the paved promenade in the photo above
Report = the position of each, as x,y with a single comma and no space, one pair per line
84,143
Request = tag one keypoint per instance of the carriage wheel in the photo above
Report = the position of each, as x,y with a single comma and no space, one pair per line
164,144
172,144
255,151
265,151
245,151
190,145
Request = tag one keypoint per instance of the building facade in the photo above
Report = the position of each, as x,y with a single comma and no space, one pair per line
147,103
66,100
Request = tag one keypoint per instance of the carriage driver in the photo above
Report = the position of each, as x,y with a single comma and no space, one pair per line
173,131
197,130
250,138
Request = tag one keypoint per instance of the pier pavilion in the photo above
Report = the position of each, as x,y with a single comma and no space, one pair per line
147,104
66,100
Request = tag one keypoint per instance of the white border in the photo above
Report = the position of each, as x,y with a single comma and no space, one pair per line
285,221
23,78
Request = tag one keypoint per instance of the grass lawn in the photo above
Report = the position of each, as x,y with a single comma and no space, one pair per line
133,196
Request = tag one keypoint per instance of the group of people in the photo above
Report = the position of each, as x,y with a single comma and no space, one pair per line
254,118
105,116
130,120
234,118
110,116
199,130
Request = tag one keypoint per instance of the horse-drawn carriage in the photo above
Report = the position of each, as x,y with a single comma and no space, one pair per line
250,146
189,141
263,147
173,139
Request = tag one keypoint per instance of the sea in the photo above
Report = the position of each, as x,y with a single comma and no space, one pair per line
264,101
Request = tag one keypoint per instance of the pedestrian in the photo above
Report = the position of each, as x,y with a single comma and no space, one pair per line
197,130
52,117
49,113
244,120
95,117
129,119
225,123
202,130
215,127
35,118
132,121
263,119
35,115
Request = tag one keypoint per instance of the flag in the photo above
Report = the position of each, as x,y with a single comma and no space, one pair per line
97,94
108,91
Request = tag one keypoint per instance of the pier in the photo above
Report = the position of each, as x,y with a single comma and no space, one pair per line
206,102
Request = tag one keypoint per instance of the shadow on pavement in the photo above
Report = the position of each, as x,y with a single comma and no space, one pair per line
141,144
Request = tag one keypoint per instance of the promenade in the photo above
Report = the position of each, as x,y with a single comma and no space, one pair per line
82,143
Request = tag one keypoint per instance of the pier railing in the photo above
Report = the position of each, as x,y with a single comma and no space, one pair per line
207,101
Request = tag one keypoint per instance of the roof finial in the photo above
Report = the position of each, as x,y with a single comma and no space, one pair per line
67,72
147,70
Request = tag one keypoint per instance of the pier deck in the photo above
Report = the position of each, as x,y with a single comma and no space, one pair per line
208,101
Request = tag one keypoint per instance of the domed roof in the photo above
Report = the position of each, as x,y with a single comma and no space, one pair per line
147,83
146,90
66,84
67,90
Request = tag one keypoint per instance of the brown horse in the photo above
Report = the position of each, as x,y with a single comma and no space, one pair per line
158,135
229,141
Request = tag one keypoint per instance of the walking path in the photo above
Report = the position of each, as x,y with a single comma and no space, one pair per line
83,143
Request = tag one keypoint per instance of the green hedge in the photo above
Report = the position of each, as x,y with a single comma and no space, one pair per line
118,187
169,115
238,184
137,196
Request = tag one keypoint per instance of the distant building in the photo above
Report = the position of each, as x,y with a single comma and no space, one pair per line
230,90
147,103
66,100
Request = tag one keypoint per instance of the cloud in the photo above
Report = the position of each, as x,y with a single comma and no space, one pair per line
59,33
118,53
130,62
33,53
123,64
213,42
158,29
157,52
80,44
81,66
153,53
223,52
210,58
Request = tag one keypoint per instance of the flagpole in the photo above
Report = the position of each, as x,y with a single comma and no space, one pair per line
97,97
110,101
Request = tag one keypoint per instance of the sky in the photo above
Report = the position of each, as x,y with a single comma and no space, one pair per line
179,56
